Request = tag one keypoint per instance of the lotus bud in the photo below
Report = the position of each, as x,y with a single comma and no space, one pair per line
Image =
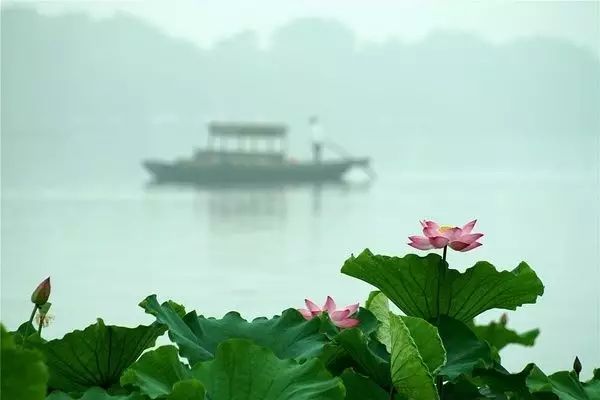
503,319
577,366
41,294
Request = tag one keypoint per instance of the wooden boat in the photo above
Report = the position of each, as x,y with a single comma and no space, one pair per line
248,163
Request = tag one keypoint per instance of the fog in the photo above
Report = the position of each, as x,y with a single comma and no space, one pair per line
462,117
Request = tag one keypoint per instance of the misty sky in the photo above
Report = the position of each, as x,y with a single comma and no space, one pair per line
207,21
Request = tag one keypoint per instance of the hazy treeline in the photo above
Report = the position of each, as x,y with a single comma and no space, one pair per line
100,94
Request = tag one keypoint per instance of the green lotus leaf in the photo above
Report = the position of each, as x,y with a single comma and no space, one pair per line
592,387
463,388
464,350
155,373
25,330
288,335
360,387
428,342
368,322
336,358
179,331
379,306
564,384
8,341
23,374
241,370
412,283
351,348
410,375
178,308
425,335
499,336
159,373
189,389
493,383
95,393
500,381
95,356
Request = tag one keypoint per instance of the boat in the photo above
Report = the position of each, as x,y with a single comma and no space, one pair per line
258,156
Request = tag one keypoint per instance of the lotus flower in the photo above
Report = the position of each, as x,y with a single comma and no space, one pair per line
41,293
340,318
440,236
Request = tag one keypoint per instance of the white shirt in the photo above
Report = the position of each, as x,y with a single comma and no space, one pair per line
317,133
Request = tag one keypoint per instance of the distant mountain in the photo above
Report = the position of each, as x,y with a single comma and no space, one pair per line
86,99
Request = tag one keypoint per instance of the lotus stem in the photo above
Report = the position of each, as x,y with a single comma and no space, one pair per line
42,316
441,274
442,269
35,307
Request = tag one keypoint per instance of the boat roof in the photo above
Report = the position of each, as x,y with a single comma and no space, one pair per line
256,129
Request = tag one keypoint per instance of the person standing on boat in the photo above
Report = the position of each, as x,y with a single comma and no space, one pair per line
317,139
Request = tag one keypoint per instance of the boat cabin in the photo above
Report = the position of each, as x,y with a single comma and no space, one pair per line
245,142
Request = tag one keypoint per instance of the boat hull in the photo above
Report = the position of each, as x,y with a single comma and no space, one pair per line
163,172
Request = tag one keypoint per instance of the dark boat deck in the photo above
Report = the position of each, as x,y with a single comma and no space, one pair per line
211,173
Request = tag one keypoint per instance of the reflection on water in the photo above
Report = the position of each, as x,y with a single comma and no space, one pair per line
239,205
249,205
243,204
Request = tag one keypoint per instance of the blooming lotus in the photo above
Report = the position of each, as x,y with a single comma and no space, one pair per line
440,236
340,318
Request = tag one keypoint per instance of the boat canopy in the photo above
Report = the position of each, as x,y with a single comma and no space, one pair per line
247,129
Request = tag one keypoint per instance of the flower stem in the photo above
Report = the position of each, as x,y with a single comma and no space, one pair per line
441,273
439,381
35,307
26,335
41,325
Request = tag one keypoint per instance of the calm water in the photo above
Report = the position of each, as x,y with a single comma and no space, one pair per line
262,250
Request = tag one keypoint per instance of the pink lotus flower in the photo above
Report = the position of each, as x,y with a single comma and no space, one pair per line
440,236
340,318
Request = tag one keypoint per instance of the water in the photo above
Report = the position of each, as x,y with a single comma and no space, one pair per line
262,250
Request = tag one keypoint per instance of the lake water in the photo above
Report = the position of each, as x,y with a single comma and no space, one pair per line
262,250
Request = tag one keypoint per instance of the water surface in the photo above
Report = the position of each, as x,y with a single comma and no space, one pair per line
261,250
